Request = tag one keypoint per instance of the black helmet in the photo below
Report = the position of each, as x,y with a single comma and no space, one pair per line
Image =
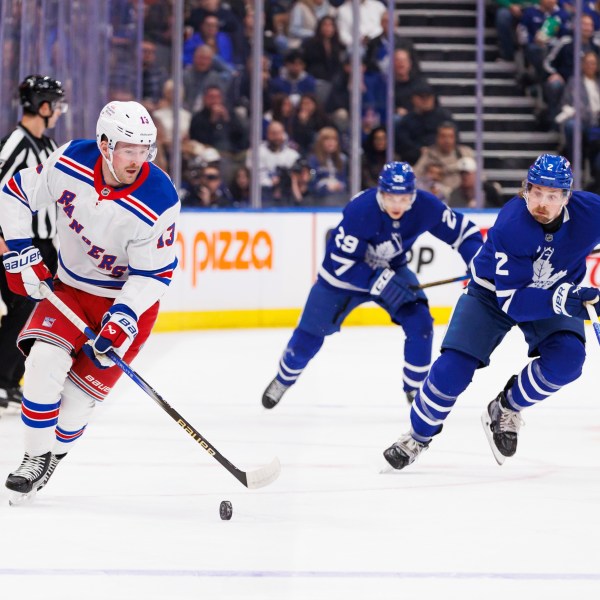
37,89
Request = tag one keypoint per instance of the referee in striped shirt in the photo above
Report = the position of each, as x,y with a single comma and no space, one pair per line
43,102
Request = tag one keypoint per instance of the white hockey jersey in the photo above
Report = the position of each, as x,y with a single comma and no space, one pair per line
114,242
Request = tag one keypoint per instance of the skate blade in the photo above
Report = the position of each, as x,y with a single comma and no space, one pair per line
386,468
486,422
18,499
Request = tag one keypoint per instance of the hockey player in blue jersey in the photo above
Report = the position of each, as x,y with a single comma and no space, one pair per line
526,274
366,259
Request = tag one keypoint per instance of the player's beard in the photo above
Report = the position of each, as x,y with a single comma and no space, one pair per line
127,175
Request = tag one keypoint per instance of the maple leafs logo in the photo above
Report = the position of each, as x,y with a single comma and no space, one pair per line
543,269
379,256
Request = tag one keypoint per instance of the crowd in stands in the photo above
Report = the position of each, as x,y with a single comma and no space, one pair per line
306,78
543,31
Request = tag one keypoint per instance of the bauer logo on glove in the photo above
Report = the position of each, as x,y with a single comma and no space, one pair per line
25,272
119,328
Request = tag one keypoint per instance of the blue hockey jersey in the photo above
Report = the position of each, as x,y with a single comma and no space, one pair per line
368,239
523,262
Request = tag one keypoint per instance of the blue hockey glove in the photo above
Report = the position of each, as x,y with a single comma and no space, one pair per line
391,290
119,328
570,300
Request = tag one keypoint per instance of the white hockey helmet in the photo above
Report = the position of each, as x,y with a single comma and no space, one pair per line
126,122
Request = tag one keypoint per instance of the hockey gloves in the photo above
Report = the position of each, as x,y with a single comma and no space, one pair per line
570,300
25,272
391,290
119,328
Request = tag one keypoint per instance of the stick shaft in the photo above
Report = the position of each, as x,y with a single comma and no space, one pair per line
183,423
422,286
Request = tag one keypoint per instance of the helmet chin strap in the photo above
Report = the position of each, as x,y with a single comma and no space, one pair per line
109,163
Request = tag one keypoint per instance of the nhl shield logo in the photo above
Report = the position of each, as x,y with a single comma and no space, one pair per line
105,192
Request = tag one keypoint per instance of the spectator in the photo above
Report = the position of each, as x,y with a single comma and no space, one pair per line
275,159
323,52
307,120
304,16
446,151
269,46
419,127
242,88
538,26
301,179
370,12
218,127
282,110
558,64
210,35
240,187
373,97
378,51
589,113
330,167
374,156
208,189
228,21
406,79
464,195
158,23
164,115
153,76
202,73
293,79
508,15
432,180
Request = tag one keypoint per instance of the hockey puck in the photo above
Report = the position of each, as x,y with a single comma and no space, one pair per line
225,510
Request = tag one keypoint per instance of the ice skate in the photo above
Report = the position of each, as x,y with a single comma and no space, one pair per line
28,478
10,400
404,452
54,460
410,396
501,425
273,394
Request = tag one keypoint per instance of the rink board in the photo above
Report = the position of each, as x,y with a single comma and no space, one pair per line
255,269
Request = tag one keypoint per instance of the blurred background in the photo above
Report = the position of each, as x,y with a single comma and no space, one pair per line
291,103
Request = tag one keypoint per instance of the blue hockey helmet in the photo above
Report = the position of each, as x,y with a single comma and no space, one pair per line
396,178
551,171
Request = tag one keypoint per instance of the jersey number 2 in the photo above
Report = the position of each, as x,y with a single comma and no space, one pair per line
502,259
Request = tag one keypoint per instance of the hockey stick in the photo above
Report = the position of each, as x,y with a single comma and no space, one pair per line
422,286
594,319
256,478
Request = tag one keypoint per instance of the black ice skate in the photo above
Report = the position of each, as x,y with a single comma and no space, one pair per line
411,395
501,425
10,399
273,394
30,476
404,452
54,460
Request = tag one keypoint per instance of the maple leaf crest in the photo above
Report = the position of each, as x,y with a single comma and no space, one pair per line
543,269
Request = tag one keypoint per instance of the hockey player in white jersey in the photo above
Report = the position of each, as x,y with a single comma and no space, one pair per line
116,226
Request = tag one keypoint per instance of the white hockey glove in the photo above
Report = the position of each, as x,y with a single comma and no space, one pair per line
25,272
119,328
570,300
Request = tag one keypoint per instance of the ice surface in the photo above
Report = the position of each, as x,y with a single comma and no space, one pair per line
133,512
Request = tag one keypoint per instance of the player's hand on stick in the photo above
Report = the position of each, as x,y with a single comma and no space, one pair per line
571,300
119,328
26,271
392,290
